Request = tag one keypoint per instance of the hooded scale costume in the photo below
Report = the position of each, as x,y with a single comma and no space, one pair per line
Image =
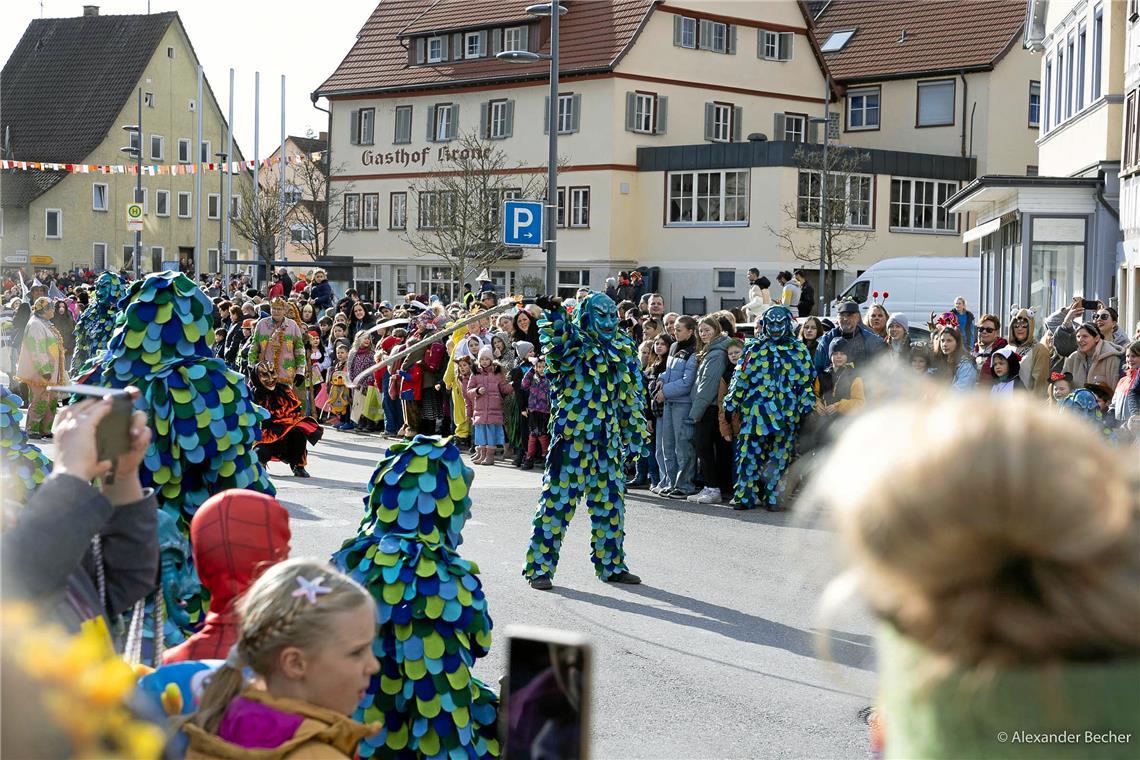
597,420
772,392
22,466
96,324
430,605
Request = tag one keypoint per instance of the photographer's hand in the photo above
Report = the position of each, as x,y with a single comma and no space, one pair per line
127,488
74,431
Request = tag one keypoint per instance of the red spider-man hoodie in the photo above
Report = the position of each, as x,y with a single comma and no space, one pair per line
235,536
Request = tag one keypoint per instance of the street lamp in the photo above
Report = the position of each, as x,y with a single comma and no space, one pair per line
135,151
823,209
222,159
525,56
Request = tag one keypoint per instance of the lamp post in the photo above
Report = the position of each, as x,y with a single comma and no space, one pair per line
135,151
222,159
526,56
823,205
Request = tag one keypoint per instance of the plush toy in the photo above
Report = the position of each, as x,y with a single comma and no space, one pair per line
597,421
96,324
771,391
22,465
433,615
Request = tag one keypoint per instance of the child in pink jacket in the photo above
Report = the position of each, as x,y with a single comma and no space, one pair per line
485,391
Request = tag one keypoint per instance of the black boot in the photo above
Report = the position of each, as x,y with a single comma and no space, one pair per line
624,576
299,471
528,464
518,457
541,583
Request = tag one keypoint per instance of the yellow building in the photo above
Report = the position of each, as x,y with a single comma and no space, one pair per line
679,123
66,90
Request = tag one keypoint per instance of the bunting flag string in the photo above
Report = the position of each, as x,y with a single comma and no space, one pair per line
153,170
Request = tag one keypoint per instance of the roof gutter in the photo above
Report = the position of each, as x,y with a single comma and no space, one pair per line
539,75
1102,200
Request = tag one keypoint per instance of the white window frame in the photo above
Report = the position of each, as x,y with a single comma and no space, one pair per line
692,198
565,113
184,152
58,223
477,38
161,156
444,113
815,199
94,260
397,138
370,211
398,210
799,134
189,196
497,116
293,194
148,99
204,152
864,93
928,86
644,112
836,40
771,45
437,43
235,206
722,122
1034,86
689,29
365,127
129,256
300,233
521,38
938,188
580,207
717,37
569,280
95,196
213,205
159,197
351,205
212,259
716,280
161,253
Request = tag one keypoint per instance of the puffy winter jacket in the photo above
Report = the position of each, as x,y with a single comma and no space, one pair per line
1103,366
487,408
680,372
709,371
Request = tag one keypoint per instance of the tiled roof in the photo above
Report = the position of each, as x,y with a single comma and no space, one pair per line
592,37
308,144
67,81
18,188
448,15
940,35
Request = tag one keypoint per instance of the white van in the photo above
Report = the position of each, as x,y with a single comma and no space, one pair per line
917,285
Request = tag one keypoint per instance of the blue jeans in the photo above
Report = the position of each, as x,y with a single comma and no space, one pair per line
393,410
675,455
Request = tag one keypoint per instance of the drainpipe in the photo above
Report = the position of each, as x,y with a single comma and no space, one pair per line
965,100
328,174
1104,201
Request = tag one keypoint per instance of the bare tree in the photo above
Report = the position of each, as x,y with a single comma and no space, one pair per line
309,216
845,215
459,207
259,217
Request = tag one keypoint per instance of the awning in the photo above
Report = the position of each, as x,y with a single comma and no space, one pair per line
981,230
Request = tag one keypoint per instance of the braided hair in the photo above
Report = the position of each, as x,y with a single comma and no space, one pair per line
273,617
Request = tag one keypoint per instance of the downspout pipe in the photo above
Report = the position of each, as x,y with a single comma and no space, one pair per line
965,102
328,172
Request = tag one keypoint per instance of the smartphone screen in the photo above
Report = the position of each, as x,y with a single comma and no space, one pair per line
548,684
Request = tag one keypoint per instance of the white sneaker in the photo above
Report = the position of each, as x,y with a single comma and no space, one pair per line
699,495
709,496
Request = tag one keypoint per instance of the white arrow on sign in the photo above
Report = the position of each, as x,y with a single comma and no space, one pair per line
522,219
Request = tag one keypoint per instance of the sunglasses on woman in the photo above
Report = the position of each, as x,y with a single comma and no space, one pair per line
1102,316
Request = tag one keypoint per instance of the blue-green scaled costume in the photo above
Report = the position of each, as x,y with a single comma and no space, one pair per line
597,420
96,324
22,466
432,613
772,392
203,421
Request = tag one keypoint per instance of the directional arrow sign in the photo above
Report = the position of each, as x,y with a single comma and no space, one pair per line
522,223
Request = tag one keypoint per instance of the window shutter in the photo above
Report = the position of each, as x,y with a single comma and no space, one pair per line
575,112
710,111
730,39
453,130
457,51
662,115
509,118
527,36
737,114
630,111
485,120
496,41
785,46
421,44
443,48
706,33
778,128
677,23
760,35
483,51
354,130
546,116
431,124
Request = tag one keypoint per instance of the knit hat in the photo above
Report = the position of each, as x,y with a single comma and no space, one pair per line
839,344
524,348
898,318
486,352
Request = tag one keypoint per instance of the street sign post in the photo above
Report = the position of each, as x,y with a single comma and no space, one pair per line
134,217
522,223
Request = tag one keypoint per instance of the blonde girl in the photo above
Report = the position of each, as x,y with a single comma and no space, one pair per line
307,632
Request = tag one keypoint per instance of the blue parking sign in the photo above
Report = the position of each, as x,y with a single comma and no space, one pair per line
522,223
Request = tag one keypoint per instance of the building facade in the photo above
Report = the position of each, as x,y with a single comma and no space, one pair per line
60,221
679,125
1128,273
305,193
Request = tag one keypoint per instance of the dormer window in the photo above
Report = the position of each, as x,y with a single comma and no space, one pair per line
473,45
435,49
515,38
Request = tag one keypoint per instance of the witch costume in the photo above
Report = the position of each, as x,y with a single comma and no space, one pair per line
286,434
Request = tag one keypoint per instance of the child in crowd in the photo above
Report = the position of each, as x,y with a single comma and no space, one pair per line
537,387
840,387
1005,363
220,343
646,470
729,424
524,351
340,397
485,391
307,633
362,359
920,360
1060,386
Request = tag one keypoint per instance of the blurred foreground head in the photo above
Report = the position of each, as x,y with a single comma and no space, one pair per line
991,532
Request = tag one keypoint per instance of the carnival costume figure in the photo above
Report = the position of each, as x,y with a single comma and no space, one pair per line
597,420
277,339
433,616
96,324
41,365
23,467
285,435
771,392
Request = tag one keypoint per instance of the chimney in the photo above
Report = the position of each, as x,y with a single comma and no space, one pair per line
91,10
323,136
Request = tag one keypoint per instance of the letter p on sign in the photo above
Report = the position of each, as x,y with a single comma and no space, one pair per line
522,223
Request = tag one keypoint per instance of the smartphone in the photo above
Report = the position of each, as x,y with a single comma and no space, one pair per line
546,697
1090,305
113,437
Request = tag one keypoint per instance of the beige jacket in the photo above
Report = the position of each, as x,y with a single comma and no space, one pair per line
1104,366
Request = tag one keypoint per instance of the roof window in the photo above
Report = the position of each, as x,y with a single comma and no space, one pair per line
836,40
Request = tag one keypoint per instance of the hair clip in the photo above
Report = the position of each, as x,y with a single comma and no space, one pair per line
311,589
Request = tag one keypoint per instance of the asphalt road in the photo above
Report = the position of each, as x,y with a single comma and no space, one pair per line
715,655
